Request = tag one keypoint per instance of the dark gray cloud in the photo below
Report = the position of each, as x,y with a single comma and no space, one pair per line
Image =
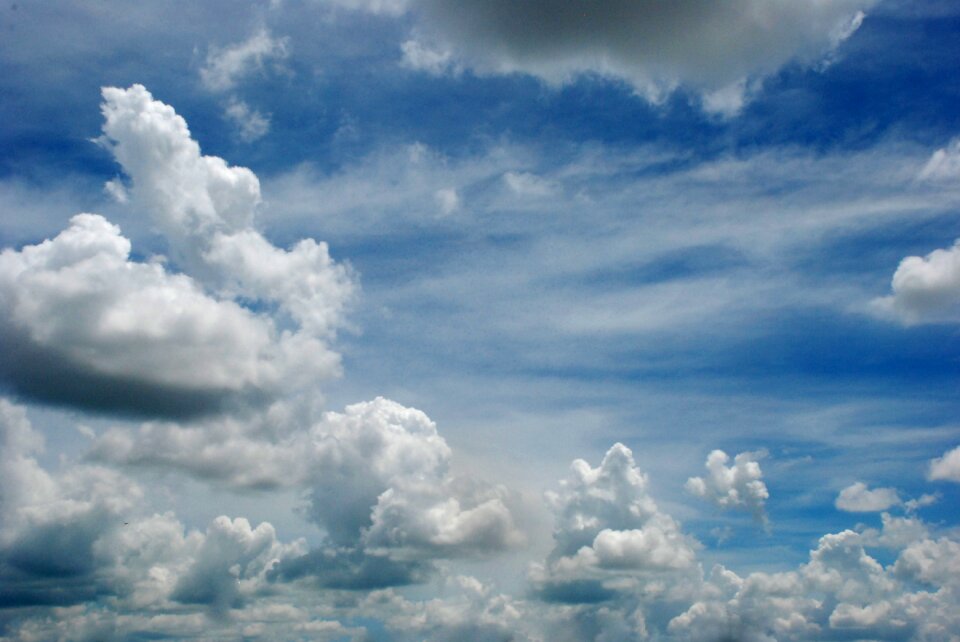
351,569
717,48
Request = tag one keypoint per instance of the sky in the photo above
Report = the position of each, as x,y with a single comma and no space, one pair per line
388,320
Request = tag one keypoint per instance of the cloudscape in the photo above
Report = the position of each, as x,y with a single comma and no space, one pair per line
540,320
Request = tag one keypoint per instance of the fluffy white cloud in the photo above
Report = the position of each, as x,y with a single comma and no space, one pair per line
206,209
841,591
738,486
714,48
609,533
946,467
858,498
85,324
79,299
224,67
379,474
925,289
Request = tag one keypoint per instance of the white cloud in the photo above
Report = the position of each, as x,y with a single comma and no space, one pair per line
925,289
224,67
251,124
206,209
609,532
946,467
857,498
653,47
80,300
379,477
739,486
944,164
173,338
376,479
230,564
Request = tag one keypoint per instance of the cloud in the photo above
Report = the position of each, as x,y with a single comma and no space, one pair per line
946,467
376,479
739,486
609,533
83,324
233,559
379,477
205,208
78,300
714,49
944,164
224,67
925,289
857,498
250,122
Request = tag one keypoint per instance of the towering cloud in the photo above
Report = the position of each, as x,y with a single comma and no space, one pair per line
739,486
84,324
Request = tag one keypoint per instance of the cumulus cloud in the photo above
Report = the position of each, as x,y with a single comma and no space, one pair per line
376,477
946,467
224,67
609,533
230,564
842,590
925,289
77,300
379,483
858,498
718,49
80,535
85,324
739,486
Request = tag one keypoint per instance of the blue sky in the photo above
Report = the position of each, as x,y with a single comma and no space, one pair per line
355,281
